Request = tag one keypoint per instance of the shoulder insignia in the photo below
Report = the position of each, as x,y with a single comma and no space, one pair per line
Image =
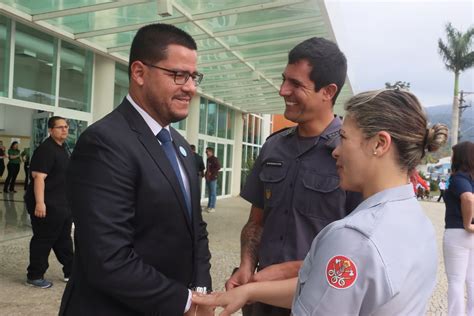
341,272
284,131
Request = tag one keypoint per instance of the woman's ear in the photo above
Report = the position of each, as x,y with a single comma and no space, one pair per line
381,143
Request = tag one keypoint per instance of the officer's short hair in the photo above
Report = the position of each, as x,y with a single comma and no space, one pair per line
328,63
151,42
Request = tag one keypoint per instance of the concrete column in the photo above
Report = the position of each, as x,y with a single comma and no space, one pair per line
237,159
103,98
266,128
192,125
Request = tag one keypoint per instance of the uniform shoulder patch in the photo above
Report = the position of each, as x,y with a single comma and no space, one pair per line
341,272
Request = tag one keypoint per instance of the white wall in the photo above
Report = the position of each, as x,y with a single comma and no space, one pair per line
16,122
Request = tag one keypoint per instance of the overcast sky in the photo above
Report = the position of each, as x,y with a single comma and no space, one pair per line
398,40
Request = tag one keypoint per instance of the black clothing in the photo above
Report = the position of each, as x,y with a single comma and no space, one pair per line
199,164
13,170
53,231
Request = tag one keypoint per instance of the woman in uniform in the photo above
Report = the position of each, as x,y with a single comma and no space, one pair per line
381,259
458,242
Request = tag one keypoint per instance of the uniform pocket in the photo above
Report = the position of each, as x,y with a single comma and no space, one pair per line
272,177
320,196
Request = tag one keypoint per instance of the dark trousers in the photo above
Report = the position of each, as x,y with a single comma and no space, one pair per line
441,195
260,309
2,167
13,170
51,232
26,168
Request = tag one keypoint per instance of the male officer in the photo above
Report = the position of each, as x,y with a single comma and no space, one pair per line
294,185
141,242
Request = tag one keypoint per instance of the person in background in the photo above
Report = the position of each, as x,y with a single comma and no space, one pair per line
2,158
458,241
25,157
13,168
381,259
46,202
442,189
212,171
199,166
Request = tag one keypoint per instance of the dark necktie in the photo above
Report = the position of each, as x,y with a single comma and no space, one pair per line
165,139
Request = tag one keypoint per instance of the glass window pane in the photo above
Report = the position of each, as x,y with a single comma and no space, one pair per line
222,121
180,125
230,124
219,183
121,83
256,131
211,118
250,129
76,128
220,154
229,156
33,78
4,23
75,78
228,177
202,116
245,128
244,156
200,148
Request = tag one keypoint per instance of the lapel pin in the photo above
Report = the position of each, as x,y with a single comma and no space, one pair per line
183,151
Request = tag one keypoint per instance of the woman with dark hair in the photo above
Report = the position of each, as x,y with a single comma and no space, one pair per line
13,168
458,242
381,259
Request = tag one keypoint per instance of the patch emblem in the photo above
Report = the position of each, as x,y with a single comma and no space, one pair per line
183,151
268,194
341,272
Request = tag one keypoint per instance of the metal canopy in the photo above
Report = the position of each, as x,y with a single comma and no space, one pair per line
242,45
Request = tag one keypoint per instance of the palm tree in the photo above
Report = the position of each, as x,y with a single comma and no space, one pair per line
457,56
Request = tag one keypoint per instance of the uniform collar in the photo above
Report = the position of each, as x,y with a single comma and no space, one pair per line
403,192
152,124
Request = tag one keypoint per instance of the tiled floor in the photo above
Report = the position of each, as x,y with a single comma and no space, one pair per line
14,220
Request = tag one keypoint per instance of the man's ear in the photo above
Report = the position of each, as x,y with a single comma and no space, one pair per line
329,91
137,72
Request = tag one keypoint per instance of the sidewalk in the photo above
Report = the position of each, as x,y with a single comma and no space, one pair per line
224,228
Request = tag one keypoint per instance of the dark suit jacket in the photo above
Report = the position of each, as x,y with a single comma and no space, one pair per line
137,251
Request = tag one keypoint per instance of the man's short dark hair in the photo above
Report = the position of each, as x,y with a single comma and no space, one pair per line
151,42
52,121
193,147
329,65
210,149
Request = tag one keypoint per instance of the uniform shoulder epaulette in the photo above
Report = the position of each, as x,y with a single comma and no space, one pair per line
284,131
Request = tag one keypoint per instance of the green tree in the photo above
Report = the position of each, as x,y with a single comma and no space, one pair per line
403,85
458,56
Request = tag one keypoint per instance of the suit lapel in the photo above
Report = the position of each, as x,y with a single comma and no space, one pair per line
153,147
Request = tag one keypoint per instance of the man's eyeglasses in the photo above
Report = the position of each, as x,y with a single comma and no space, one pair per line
61,127
180,77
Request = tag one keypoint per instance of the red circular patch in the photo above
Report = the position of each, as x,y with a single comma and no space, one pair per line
341,272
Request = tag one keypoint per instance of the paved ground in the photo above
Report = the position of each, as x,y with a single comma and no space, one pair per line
224,229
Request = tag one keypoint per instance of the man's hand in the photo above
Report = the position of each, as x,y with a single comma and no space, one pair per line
240,277
280,271
40,210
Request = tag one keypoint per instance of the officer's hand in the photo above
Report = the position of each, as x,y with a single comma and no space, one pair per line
239,277
280,271
40,210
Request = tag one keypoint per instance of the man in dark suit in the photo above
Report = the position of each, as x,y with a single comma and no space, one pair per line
141,243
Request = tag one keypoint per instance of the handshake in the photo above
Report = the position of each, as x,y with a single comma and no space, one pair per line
204,304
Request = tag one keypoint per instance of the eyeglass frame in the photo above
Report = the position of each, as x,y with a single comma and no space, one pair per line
196,76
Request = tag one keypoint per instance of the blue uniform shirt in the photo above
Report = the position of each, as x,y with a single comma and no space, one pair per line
379,260
297,186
